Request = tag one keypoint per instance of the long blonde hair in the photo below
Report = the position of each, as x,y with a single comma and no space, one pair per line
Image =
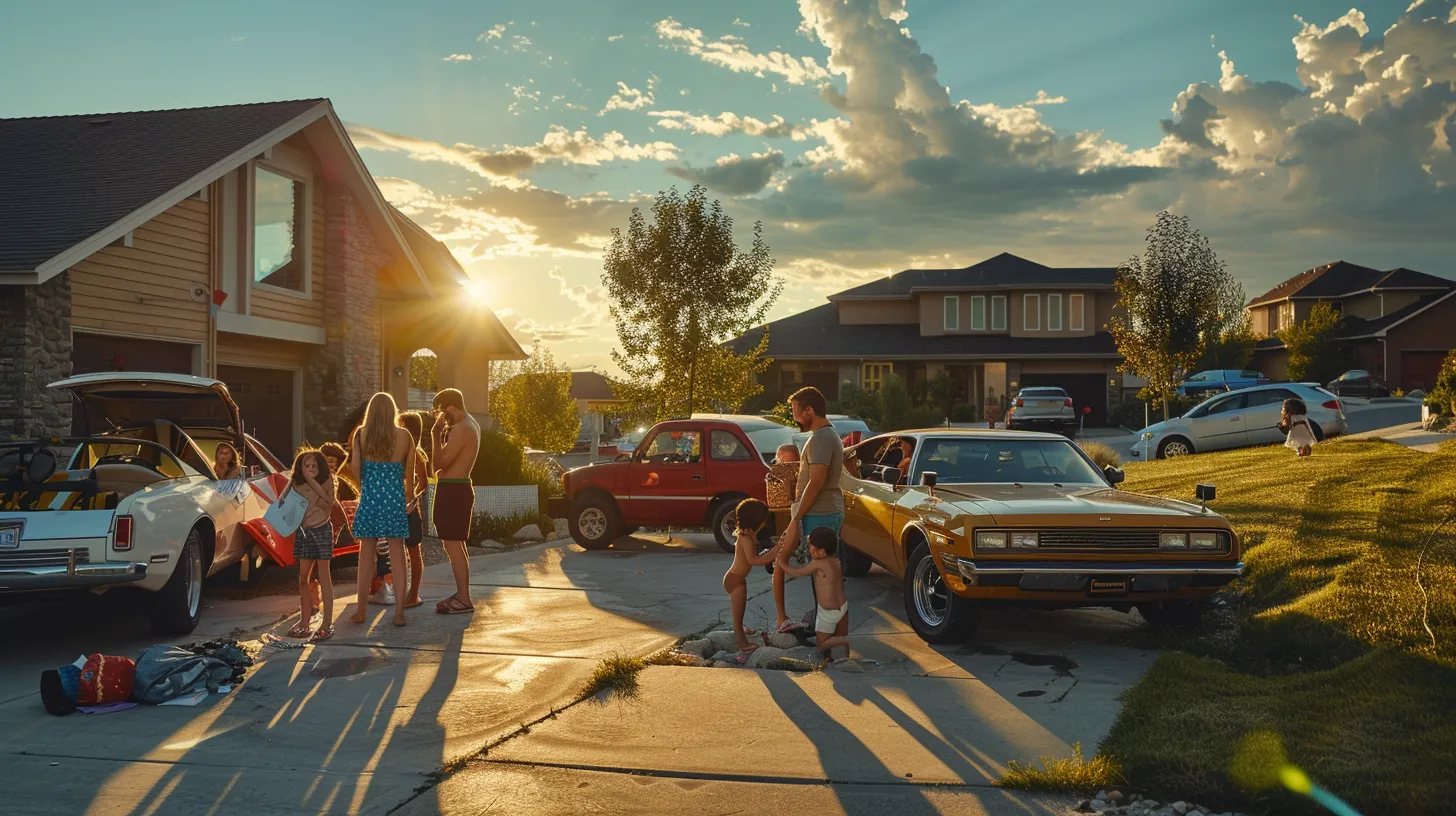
376,435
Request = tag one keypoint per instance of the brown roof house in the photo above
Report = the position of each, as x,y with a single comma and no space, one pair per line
1398,324
243,242
996,326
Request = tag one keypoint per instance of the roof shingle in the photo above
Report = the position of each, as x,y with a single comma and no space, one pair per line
1004,270
1343,278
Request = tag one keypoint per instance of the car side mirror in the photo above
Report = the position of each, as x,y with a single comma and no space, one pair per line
1205,493
1114,474
890,476
928,480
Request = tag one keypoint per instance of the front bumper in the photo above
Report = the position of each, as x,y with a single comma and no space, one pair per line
1093,577
26,579
1018,422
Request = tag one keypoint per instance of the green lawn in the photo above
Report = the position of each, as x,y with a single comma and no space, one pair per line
1335,646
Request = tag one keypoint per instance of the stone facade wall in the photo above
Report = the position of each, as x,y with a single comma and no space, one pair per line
344,373
35,350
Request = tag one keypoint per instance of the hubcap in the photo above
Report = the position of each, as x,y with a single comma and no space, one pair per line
1175,449
592,522
932,600
194,581
730,527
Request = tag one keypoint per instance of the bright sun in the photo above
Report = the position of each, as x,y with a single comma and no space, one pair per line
476,291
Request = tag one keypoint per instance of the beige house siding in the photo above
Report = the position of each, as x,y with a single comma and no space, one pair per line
1259,321
877,312
1069,366
1104,310
147,288
1096,310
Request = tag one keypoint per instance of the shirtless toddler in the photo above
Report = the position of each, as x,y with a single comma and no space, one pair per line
752,515
831,619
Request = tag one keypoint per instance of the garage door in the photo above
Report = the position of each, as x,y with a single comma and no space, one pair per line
92,353
265,401
1418,369
1084,389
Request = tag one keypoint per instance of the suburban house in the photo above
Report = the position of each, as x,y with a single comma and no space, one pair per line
242,242
1398,324
995,326
596,405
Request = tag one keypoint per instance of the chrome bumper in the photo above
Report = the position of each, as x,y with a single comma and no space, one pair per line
968,567
24,579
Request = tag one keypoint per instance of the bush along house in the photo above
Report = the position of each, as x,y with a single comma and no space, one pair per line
1398,324
995,327
242,242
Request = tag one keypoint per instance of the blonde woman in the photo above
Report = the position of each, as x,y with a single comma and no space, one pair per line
381,462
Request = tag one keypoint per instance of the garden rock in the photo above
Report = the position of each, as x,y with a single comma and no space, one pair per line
723,641
760,657
722,664
781,640
529,533
698,648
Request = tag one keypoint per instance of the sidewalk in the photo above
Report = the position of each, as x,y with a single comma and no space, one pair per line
1410,435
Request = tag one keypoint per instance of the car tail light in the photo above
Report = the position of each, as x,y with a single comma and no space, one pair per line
1018,403
123,533
1067,402
1333,405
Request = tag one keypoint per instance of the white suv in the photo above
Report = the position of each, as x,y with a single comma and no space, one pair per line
1238,419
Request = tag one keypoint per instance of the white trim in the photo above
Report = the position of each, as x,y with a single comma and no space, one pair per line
950,313
234,323
302,244
1005,313
1382,332
1054,312
136,218
1028,308
1077,316
125,240
982,300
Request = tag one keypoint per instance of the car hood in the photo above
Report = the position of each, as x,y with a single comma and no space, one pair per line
1038,504
130,398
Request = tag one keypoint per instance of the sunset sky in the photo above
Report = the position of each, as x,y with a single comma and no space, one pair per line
869,135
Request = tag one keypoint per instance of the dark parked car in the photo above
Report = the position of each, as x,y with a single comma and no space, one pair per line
1208,382
1358,383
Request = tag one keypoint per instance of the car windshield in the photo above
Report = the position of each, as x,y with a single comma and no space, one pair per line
999,461
1042,392
849,426
767,440
1204,377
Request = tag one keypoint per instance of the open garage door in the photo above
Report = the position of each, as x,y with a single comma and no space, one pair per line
1084,389
265,400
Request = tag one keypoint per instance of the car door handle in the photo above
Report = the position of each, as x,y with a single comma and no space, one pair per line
698,478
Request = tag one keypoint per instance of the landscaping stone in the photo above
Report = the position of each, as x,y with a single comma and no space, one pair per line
1181,808
722,664
723,641
1099,805
699,648
781,640
529,533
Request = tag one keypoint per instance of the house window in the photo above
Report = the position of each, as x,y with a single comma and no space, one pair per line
952,309
1031,312
875,374
1286,314
1074,310
978,313
998,313
1054,313
279,248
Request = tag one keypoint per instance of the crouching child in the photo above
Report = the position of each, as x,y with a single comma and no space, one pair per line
831,619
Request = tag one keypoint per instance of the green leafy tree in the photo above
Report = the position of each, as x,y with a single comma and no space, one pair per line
680,287
1176,298
1313,353
1233,349
894,403
424,372
945,391
535,405
1442,396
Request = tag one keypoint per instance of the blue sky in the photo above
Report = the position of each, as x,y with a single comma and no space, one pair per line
1265,151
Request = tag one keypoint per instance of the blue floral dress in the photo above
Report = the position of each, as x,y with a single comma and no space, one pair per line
381,511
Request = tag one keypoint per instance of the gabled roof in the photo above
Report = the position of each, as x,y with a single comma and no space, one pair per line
589,385
818,334
1342,279
1003,271
1359,328
73,184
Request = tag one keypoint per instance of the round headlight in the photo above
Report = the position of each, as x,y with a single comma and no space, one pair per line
1146,435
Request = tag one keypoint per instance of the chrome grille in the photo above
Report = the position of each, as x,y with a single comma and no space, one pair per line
31,559
1095,539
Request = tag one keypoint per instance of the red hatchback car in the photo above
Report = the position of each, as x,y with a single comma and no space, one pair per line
686,473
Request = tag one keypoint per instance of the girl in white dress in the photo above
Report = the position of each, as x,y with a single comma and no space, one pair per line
1294,423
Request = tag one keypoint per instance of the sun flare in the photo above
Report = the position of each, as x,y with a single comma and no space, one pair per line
476,291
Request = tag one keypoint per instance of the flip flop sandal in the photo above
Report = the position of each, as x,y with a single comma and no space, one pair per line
789,626
321,635
300,630
453,606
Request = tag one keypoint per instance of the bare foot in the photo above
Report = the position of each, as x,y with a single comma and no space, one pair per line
399,620
358,617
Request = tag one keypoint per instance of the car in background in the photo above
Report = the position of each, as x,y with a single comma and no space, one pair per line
1358,384
1208,382
686,473
1006,517
1042,408
1238,419
850,429
627,443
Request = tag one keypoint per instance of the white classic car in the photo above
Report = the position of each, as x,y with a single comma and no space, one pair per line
137,504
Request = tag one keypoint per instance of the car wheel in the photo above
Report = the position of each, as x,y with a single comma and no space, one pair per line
936,613
854,563
1173,614
725,524
177,608
595,522
1174,446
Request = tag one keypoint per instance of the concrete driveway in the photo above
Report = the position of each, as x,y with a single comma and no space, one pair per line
371,721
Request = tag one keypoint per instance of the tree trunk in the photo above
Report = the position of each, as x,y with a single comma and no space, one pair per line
692,381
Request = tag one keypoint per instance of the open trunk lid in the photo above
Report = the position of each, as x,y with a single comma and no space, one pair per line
123,398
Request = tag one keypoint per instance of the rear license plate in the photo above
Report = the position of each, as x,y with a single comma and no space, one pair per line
1109,586
10,536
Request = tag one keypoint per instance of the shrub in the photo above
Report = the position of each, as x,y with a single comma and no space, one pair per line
500,461
1128,414
539,472
1071,775
1442,395
963,412
923,416
1101,454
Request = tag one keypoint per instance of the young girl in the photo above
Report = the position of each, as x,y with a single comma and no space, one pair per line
412,421
382,463
313,544
225,462
1292,421
752,515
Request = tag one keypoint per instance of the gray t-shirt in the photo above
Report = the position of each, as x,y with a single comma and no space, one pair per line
823,448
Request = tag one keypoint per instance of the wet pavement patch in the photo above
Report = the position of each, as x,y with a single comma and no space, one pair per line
1031,693
1061,665
348,666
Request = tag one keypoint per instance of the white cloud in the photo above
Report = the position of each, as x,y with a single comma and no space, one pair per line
730,52
728,122
459,58
630,98
1042,98
615,37
495,32
740,22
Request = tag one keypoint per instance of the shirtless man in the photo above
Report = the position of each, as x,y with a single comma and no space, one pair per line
454,445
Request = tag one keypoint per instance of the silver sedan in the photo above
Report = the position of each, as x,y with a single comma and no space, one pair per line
1240,419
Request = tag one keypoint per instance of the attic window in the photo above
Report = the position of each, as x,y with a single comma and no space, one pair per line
278,231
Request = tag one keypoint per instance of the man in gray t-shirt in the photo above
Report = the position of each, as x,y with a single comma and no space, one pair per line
823,448
820,502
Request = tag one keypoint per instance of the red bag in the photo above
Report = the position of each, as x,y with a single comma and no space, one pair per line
106,679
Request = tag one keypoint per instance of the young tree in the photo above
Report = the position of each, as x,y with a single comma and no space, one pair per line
1176,299
680,287
945,390
535,404
1232,350
1313,354
894,403
424,372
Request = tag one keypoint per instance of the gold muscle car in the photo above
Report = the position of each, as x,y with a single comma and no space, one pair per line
1005,516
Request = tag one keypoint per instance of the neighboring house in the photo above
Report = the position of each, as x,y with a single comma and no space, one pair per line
1398,324
595,404
243,242
995,326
